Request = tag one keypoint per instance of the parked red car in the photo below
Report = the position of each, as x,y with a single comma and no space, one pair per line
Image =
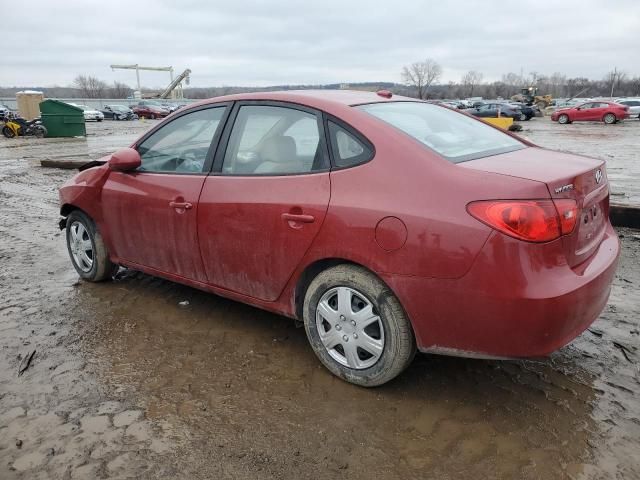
383,223
607,112
149,110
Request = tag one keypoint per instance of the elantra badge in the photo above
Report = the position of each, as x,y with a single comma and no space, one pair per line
598,176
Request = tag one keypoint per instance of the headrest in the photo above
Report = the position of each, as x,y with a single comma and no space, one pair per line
278,150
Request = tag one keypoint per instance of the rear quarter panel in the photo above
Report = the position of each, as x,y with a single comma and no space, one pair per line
427,193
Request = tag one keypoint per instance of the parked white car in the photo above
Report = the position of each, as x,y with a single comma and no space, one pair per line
90,113
633,104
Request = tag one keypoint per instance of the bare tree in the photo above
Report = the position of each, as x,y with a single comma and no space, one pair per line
90,87
471,80
557,83
614,78
119,90
577,85
421,75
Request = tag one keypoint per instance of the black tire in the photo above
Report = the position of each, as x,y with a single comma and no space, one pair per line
609,119
7,132
40,131
153,116
102,267
99,119
523,117
564,119
399,346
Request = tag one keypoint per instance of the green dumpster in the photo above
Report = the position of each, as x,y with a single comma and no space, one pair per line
61,119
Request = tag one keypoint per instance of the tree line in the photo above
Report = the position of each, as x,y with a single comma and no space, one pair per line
422,80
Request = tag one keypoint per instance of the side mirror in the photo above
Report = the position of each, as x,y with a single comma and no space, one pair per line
124,160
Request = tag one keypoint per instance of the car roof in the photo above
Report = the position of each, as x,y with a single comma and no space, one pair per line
314,98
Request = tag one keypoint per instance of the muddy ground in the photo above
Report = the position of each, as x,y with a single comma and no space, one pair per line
126,382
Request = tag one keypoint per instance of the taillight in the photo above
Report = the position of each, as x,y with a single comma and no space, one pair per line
568,213
529,220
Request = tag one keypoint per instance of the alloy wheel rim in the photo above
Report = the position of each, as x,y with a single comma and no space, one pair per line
350,328
81,247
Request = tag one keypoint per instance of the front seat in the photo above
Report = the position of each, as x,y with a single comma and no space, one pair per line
278,155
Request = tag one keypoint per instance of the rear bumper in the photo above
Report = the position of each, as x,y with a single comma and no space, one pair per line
518,300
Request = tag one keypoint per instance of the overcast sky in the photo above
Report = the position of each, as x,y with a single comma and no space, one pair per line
274,42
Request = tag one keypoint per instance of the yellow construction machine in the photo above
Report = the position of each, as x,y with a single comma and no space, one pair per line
530,97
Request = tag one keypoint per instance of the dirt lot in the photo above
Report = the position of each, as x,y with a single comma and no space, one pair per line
127,383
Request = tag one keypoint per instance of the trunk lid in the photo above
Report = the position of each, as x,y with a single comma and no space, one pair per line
569,176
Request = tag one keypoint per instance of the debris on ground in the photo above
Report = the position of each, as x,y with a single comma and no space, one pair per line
25,362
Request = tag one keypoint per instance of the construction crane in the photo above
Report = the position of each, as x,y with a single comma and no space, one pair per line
137,68
176,86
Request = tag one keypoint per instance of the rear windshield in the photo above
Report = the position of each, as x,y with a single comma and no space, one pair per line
454,136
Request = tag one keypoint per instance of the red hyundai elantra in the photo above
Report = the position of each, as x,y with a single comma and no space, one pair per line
384,223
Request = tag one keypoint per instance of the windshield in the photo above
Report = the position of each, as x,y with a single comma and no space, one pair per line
455,136
119,108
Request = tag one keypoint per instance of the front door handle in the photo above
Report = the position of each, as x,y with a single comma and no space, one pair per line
181,205
298,218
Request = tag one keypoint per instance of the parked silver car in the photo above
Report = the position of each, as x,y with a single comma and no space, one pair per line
633,104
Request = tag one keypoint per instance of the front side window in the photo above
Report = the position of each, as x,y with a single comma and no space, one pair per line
455,136
181,146
269,140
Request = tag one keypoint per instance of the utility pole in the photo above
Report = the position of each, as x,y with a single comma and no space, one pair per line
613,80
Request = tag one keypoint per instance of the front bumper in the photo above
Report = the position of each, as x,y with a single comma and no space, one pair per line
518,300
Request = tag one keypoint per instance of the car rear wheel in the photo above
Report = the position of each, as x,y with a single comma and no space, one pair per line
87,250
522,117
357,327
564,119
153,116
610,119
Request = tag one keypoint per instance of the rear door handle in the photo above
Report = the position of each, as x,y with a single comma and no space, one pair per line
298,217
182,205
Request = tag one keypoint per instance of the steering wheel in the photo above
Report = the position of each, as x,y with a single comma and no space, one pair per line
189,161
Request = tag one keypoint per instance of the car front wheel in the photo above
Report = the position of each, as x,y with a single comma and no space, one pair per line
610,119
564,119
87,250
357,327
523,117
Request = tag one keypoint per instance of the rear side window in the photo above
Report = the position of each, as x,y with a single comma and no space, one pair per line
455,136
347,149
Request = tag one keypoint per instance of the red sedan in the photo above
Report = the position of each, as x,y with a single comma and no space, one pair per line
144,110
385,224
607,112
